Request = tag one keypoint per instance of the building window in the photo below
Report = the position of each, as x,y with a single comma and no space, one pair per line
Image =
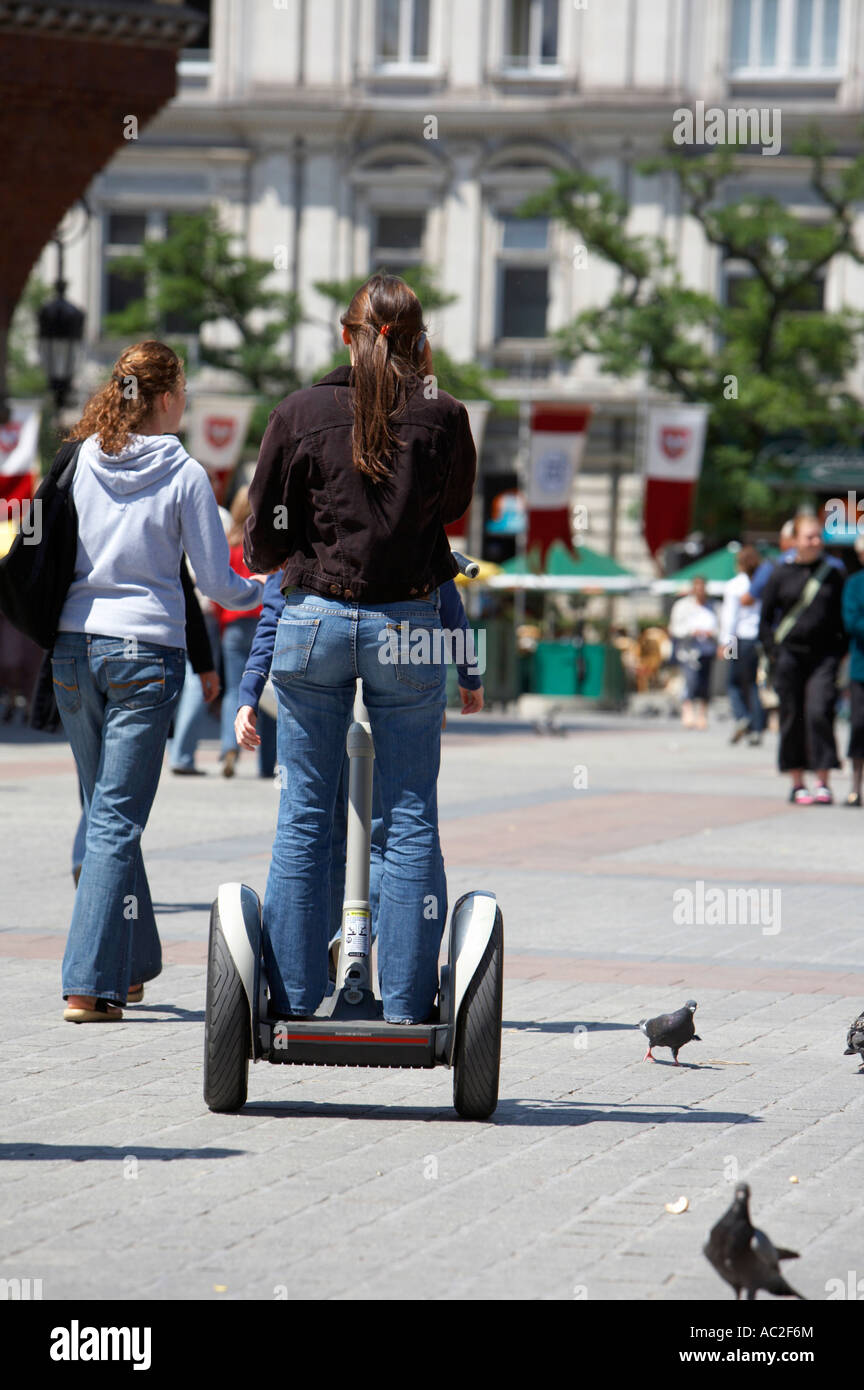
397,241
532,34
785,37
195,66
523,277
125,233
402,31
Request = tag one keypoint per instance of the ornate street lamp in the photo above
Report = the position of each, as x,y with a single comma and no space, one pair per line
61,328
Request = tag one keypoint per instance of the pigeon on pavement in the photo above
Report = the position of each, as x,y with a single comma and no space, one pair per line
855,1039
744,1256
670,1030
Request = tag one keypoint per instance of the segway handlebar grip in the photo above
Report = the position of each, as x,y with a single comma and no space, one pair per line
469,568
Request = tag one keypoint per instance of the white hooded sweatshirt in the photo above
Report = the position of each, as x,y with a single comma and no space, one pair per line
138,511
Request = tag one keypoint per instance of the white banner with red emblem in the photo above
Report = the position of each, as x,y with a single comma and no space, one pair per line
674,444
215,434
19,453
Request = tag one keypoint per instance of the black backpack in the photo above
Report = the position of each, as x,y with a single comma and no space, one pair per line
36,573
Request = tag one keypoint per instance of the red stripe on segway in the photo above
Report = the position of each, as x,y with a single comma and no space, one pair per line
349,1037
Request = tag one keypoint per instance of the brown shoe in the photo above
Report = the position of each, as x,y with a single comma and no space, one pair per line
103,1011
135,994
228,762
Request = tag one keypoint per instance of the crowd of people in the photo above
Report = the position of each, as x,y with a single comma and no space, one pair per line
787,625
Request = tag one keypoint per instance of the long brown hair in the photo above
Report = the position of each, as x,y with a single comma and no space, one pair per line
141,374
388,335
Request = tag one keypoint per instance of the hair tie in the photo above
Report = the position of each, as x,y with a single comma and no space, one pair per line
385,329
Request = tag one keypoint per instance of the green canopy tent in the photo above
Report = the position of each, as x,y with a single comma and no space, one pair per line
586,571
716,569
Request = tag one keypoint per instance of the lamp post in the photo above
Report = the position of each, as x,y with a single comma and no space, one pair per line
61,324
61,329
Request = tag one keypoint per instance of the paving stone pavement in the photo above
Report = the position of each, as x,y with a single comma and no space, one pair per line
120,1183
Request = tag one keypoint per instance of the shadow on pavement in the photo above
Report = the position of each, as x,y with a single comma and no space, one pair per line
509,1112
180,1015
533,1027
84,1153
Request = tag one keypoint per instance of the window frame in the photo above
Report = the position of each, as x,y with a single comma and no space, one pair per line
785,69
518,258
155,229
534,65
404,63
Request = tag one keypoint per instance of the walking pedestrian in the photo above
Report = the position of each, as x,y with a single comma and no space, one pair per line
237,633
801,630
739,645
853,621
119,657
693,628
356,479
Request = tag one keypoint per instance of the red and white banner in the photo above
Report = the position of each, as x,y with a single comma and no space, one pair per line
19,453
674,444
216,432
462,530
558,435
216,429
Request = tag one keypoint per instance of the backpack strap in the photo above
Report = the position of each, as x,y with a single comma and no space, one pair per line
805,598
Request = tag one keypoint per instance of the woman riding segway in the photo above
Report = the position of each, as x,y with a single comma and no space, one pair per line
356,479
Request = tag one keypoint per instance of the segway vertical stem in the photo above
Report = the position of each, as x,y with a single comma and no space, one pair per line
354,985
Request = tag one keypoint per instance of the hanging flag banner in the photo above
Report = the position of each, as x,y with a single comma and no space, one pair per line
674,444
19,453
215,434
463,530
558,435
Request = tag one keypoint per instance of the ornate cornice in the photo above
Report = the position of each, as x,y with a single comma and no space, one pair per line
152,25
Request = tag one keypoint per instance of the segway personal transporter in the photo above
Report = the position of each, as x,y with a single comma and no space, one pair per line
349,1028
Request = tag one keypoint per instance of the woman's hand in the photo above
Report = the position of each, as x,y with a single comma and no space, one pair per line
472,700
244,727
209,685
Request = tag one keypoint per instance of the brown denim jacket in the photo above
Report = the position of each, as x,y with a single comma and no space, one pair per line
335,531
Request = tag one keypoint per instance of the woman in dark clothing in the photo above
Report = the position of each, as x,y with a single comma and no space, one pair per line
357,477
802,633
853,620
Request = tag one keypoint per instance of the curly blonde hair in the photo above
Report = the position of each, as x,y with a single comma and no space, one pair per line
141,374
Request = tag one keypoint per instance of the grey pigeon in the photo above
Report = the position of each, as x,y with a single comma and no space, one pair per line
670,1030
744,1256
855,1039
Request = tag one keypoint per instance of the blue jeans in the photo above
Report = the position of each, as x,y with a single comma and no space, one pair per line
190,717
321,648
237,642
743,690
116,698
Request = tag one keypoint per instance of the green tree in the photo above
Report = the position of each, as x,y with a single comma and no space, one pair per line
194,278
769,363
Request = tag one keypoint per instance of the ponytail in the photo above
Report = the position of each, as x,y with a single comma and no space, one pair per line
385,319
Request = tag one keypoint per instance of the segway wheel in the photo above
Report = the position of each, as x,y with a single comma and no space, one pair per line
226,1027
477,1052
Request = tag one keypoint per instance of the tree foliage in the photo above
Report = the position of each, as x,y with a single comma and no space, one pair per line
769,363
194,278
